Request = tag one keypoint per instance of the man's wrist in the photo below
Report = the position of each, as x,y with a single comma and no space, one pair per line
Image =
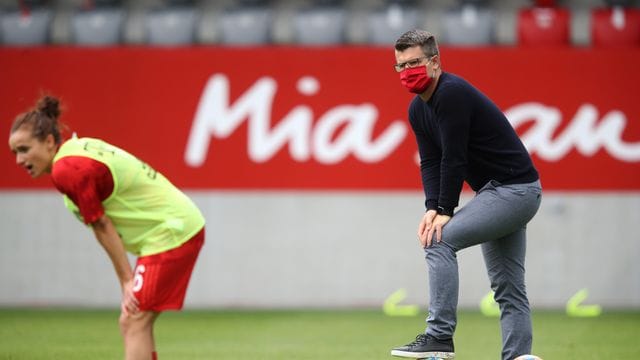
444,210
432,204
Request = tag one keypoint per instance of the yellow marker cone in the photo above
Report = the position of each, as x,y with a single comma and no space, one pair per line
391,307
488,306
575,309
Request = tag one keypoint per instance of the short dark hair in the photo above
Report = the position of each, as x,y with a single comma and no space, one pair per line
416,37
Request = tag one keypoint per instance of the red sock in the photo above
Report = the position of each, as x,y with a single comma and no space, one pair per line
154,355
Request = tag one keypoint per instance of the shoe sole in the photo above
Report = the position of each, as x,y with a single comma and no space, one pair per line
431,355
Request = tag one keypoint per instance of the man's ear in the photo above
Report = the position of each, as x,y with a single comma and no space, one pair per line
435,60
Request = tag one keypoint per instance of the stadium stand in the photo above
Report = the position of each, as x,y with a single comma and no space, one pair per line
172,24
98,23
322,23
385,24
248,22
544,24
318,22
25,23
617,24
472,23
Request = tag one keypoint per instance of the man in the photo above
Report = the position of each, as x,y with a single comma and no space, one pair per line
463,136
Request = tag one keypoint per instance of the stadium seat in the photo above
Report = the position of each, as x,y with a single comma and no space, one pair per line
543,26
97,26
615,26
171,26
321,24
386,24
545,3
470,24
25,27
247,23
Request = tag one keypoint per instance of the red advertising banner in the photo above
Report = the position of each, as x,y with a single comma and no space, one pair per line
279,118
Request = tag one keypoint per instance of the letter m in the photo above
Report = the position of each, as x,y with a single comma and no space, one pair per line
215,117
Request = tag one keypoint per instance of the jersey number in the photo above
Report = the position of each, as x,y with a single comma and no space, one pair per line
137,278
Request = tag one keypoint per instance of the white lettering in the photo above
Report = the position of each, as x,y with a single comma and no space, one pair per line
327,143
583,133
347,129
359,122
214,116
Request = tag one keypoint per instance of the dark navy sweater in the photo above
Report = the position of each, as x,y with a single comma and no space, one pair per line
463,136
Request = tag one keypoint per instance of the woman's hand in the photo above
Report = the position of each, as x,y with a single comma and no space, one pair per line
129,305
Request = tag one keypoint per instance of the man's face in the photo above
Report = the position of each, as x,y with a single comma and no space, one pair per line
410,57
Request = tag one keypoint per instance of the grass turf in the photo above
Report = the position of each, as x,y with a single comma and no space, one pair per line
335,335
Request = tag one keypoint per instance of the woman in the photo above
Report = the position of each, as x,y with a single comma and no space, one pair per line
129,206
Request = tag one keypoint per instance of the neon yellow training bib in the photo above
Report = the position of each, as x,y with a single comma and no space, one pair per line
149,212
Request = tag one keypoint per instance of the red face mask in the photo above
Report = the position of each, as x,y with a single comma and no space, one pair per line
415,79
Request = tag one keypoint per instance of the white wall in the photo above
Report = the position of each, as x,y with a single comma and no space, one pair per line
323,249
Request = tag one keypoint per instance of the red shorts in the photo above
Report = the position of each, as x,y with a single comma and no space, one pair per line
160,280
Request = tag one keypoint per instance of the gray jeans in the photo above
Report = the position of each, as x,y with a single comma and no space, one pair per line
496,218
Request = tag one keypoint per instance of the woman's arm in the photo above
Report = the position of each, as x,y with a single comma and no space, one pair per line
108,237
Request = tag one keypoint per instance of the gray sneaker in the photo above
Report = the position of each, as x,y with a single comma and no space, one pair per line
426,347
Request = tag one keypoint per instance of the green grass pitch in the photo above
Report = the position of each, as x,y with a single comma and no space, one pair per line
362,334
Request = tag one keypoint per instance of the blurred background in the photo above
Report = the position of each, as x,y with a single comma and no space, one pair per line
321,22
286,124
